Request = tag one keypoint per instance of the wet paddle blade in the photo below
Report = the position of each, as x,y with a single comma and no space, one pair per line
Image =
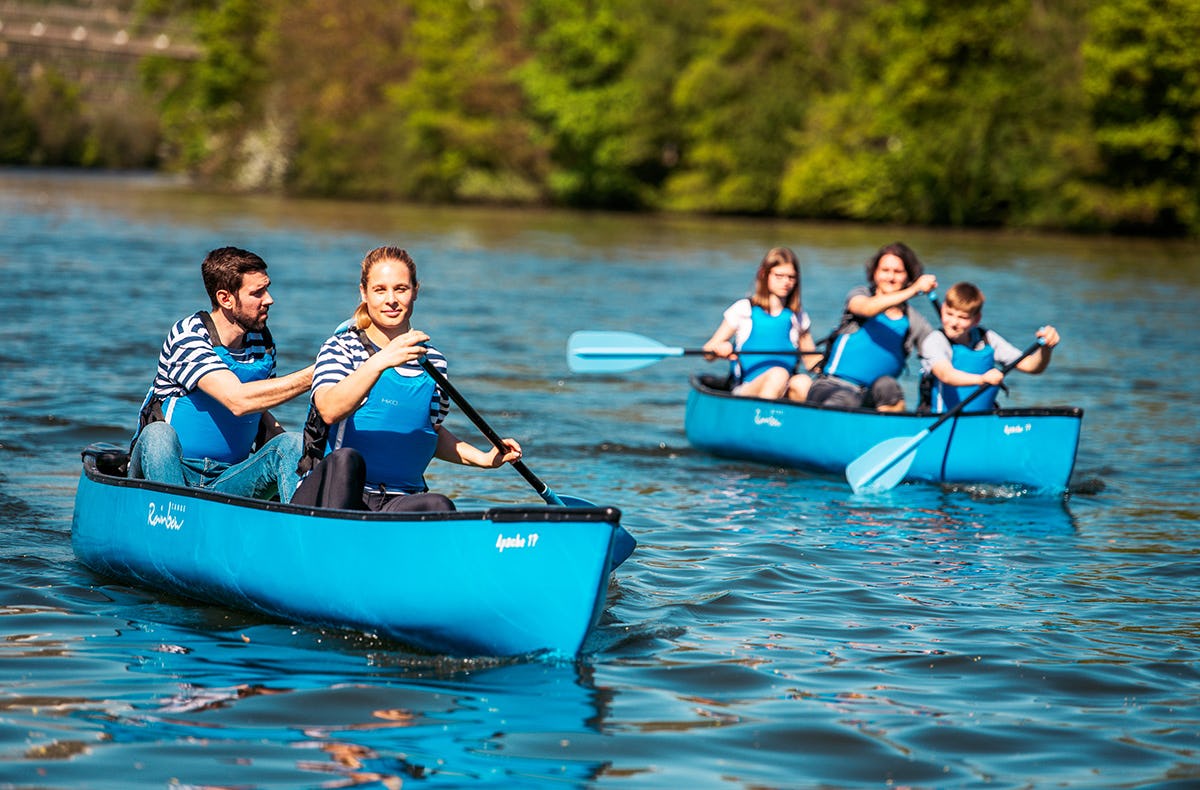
623,542
614,352
566,500
623,546
883,466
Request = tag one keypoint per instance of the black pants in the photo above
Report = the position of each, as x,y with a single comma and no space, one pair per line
338,480
885,391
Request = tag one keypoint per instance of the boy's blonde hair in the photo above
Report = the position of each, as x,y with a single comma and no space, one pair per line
965,297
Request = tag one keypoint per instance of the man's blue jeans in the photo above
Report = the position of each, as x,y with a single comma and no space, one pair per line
158,455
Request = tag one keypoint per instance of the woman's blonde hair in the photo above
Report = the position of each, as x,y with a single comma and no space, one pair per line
378,255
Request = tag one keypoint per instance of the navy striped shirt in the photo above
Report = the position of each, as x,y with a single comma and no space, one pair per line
344,353
187,356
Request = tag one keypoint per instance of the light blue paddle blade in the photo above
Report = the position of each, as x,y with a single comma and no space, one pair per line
883,466
614,352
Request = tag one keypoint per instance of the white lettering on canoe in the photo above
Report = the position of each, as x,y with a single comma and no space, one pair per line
767,419
516,541
160,517
1009,430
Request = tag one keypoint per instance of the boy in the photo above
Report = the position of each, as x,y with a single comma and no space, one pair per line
963,355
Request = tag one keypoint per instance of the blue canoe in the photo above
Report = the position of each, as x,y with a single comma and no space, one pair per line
1031,448
498,582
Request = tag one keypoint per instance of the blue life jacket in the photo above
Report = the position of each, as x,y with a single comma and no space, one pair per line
393,431
207,429
978,357
876,348
767,333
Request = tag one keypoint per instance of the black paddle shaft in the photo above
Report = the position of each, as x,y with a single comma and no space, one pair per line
482,424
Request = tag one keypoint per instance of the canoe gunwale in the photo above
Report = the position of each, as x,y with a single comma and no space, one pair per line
702,384
505,513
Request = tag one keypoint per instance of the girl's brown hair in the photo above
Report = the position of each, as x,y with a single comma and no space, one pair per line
762,296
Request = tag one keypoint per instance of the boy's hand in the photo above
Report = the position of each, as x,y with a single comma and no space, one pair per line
993,376
1050,335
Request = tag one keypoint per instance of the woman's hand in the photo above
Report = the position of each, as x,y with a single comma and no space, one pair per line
403,349
495,458
925,283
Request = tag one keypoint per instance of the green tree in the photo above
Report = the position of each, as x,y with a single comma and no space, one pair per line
741,97
461,131
598,81
57,111
1142,82
950,115
18,133
210,107
332,68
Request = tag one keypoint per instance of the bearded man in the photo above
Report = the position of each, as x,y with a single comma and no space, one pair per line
206,421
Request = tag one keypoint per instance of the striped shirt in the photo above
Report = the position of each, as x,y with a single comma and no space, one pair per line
344,353
187,356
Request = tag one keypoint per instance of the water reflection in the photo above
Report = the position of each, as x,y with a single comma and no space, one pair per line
392,720
773,630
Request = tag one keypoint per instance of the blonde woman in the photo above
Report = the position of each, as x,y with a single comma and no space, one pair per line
376,419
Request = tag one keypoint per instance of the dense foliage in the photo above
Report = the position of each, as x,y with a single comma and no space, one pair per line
1081,114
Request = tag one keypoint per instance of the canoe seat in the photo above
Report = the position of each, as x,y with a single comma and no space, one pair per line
714,382
111,459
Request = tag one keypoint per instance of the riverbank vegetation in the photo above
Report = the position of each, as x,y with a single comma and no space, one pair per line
1081,115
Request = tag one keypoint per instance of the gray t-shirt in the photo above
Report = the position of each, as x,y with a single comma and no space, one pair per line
936,347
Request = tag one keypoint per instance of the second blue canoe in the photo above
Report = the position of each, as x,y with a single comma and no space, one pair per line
1031,448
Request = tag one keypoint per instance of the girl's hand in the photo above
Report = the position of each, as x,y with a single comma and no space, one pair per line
1050,335
722,349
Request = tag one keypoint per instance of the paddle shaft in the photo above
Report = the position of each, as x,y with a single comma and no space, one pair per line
668,351
541,488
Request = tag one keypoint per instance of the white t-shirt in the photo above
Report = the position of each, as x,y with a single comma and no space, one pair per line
738,314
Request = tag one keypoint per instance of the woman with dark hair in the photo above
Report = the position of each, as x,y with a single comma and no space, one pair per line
376,417
770,320
878,331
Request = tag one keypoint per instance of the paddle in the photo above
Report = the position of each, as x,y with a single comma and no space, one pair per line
543,490
885,464
617,352
623,542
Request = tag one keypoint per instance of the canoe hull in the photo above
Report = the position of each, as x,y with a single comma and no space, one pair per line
1032,448
506,581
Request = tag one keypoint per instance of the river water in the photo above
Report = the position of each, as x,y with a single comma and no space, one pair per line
771,630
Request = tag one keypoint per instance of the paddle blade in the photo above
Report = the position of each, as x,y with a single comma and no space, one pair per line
566,500
614,352
883,466
623,542
623,546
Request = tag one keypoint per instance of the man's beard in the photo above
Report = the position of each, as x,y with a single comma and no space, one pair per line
248,323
